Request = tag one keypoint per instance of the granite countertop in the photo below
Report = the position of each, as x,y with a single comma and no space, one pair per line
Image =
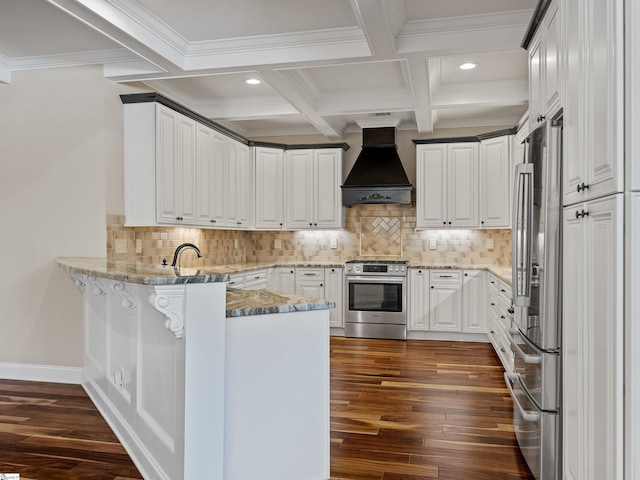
242,303
503,272
133,272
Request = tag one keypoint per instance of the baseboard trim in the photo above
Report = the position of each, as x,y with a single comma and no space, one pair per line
41,373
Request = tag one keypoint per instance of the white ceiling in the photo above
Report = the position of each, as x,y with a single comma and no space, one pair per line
324,64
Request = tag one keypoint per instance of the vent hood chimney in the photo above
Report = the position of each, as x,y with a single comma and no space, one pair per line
378,175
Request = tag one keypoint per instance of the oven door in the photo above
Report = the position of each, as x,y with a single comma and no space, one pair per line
376,300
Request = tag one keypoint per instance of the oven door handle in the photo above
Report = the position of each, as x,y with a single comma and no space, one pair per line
374,279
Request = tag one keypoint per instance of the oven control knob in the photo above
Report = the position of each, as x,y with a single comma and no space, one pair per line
356,269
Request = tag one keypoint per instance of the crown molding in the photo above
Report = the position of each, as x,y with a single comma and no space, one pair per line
5,73
503,92
395,15
93,57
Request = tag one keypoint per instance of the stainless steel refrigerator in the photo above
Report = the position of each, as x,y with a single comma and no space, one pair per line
536,341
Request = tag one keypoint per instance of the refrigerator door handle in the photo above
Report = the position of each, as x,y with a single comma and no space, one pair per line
526,415
526,358
521,234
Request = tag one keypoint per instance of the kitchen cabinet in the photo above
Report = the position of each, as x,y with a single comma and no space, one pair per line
474,301
252,280
334,291
545,63
283,280
500,320
175,167
310,282
593,115
178,171
495,182
313,198
447,185
418,300
592,354
445,301
269,188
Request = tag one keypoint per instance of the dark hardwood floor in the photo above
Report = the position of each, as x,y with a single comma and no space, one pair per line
417,410
399,411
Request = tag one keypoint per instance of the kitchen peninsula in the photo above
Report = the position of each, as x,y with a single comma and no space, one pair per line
201,382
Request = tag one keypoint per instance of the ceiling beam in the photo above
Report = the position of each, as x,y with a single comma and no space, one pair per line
417,70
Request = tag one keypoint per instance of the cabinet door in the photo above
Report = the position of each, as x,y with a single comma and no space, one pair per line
445,308
418,300
462,181
205,152
431,186
298,173
187,170
269,200
167,181
474,298
327,192
552,60
333,291
495,183
244,186
310,288
594,110
535,81
218,196
283,280
593,276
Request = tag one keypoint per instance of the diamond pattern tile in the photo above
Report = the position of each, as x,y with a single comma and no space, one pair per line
381,236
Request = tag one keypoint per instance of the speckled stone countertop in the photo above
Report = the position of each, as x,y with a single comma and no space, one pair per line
132,272
503,272
241,303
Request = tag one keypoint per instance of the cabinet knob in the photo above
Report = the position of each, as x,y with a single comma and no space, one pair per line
466,274
444,223
315,224
321,285
510,310
239,223
213,221
432,286
493,304
449,223
493,332
502,316
280,223
503,290
310,224
503,350
419,271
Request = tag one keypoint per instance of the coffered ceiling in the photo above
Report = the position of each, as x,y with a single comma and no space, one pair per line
324,65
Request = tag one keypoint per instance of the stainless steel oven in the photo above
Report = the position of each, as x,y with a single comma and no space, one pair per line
376,299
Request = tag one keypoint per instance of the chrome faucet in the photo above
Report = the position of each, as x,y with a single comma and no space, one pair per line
176,255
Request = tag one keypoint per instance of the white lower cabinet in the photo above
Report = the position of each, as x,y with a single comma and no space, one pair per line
474,301
499,319
310,282
283,279
253,280
593,327
333,291
445,299
418,300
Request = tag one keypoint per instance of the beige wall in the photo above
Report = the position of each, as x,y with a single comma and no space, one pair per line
52,203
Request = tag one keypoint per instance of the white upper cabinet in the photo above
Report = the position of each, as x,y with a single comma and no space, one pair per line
545,62
495,182
269,190
594,108
447,185
179,171
175,167
312,189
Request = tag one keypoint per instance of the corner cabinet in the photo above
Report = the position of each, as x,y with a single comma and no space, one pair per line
178,171
313,198
447,185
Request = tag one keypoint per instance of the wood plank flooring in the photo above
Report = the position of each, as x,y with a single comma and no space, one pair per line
399,411
419,410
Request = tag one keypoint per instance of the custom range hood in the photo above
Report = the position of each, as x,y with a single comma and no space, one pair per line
378,175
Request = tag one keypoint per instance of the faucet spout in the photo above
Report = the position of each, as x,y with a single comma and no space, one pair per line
176,255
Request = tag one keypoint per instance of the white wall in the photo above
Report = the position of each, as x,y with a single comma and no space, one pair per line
52,203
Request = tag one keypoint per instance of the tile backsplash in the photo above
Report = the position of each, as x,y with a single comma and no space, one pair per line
371,231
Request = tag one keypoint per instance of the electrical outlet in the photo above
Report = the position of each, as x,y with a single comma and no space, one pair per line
333,242
489,243
235,243
277,243
121,245
432,244
138,245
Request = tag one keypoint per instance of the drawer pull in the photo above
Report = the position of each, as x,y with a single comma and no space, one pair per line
445,276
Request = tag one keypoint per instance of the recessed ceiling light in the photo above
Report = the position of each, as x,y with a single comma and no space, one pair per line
467,66
252,81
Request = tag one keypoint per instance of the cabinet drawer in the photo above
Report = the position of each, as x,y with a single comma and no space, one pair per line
505,292
303,274
236,280
446,277
258,276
